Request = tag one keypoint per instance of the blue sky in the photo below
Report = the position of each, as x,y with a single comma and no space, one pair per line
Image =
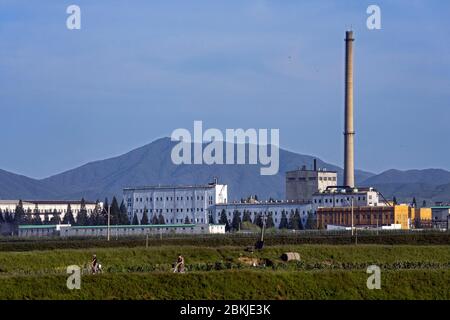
137,70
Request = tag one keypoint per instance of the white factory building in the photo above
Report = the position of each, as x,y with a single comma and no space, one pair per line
176,203
346,197
48,206
67,230
264,208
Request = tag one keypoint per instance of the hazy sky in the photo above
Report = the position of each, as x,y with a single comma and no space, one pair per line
137,70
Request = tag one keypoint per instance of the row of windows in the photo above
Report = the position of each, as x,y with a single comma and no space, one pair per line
198,220
337,200
327,178
171,210
150,199
275,213
357,216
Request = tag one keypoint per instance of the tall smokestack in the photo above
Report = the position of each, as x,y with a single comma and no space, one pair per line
349,133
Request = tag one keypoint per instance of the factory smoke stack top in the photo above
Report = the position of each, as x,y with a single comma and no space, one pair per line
349,133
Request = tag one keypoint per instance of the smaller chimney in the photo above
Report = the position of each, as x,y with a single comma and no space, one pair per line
315,164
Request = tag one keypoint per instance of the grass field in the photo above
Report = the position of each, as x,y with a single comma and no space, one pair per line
225,272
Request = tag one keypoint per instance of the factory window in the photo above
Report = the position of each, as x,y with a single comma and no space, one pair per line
151,210
202,197
181,198
146,199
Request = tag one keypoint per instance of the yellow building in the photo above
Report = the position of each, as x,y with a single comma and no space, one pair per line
422,217
402,215
375,216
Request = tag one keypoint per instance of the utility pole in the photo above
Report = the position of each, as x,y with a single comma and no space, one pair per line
352,218
109,221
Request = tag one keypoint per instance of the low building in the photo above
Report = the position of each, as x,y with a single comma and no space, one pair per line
48,207
255,208
38,231
440,217
422,218
175,204
366,216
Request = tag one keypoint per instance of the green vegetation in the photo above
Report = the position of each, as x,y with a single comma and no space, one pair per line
271,239
226,272
245,285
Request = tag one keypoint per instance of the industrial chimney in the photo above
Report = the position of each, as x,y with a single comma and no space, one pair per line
349,133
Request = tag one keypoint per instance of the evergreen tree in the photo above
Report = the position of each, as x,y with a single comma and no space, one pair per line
161,219
394,200
56,217
269,221
95,218
414,202
135,220
68,217
103,216
82,216
36,217
293,220
2,218
284,224
424,204
19,214
187,221
46,219
28,217
311,222
155,219
144,219
115,212
247,217
224,220
8,217
236,222
259,220
299,219
123,218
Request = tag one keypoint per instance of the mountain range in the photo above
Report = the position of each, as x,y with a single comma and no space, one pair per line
152,165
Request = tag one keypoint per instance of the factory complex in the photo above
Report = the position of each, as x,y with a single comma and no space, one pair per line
313,200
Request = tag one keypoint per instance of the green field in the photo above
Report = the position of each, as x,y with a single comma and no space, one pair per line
225,272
